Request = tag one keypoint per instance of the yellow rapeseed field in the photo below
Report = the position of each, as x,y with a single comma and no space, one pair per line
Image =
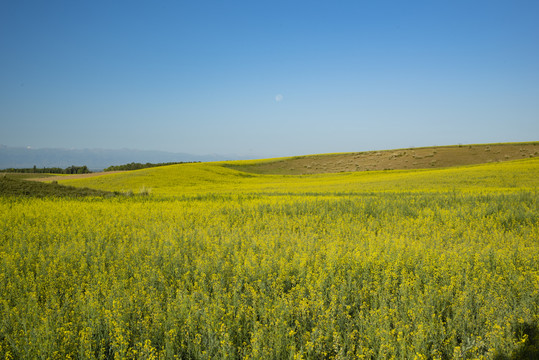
220,264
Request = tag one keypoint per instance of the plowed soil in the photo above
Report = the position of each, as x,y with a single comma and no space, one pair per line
411,158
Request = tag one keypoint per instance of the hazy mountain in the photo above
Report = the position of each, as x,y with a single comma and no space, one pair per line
95,159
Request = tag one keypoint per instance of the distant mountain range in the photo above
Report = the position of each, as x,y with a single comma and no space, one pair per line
94,159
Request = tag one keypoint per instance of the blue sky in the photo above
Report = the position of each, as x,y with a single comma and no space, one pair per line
267,78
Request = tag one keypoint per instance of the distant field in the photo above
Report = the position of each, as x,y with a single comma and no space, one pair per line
214,262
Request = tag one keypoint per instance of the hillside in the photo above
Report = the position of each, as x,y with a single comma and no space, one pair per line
400,159
215,178
452,167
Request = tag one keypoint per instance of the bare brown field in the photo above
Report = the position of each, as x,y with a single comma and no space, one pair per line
400,159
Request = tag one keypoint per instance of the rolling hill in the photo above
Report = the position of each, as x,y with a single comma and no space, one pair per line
450,167
217,178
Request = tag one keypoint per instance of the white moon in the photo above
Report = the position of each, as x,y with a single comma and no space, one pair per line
279,97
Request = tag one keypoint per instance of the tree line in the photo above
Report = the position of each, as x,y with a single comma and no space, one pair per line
50,170
84,169
138,166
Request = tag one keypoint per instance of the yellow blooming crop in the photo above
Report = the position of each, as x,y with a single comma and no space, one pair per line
217,263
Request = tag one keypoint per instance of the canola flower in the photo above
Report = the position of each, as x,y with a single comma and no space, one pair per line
216,178
406,265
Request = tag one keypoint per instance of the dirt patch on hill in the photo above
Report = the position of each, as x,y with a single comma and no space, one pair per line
411,158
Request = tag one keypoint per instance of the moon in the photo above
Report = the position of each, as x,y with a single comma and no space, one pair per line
279,97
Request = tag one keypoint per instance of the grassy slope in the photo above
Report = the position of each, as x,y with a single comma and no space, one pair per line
190,179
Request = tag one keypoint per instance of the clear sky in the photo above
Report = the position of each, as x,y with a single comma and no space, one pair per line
268,78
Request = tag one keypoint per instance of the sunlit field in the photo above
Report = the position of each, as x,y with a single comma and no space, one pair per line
211,262
215,178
